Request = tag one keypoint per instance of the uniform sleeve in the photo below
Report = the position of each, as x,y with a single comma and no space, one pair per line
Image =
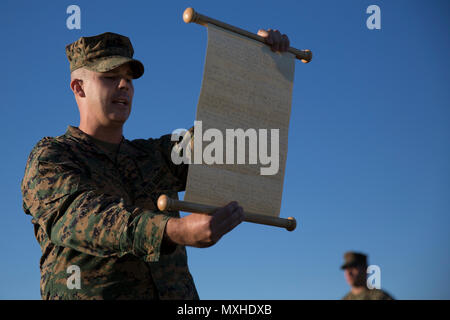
59,195
180,171
164,146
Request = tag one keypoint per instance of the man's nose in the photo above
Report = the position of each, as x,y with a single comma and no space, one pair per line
124,84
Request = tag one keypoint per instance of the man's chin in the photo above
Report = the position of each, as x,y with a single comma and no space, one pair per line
120,116
118,120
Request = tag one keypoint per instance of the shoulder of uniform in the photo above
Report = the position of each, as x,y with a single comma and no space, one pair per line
49,148
141,146
380,294
139,143
386,295
46,149
347,296
150,145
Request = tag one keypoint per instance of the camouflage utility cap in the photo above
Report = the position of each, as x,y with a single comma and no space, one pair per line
353,259
103,53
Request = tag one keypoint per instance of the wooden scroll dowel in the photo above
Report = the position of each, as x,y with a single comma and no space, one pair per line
189,15
166,203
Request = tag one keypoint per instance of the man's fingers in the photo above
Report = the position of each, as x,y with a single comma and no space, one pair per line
221,222
276,40
263,33
266,35
285,43
224,212
276,37
233,220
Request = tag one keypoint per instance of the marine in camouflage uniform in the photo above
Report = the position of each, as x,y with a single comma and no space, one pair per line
356,265
93,203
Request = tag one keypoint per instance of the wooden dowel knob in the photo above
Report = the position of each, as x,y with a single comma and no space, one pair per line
188,15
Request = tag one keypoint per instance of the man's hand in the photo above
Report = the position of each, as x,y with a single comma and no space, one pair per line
276,40
202,230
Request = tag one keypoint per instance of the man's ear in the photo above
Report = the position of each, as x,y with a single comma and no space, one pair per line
77,87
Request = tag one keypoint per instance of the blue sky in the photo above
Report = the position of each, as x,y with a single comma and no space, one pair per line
368,167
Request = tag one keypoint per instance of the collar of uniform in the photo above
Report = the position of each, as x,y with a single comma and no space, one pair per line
87,141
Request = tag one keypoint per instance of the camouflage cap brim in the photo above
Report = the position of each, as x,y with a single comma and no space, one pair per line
109,63
348,265
353,264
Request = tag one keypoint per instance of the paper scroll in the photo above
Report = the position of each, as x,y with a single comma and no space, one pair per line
247,86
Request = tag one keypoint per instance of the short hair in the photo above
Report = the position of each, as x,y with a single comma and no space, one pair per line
80,73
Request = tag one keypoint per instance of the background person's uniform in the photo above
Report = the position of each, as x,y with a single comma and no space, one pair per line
368,294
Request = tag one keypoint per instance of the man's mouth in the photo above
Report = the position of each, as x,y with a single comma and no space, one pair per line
121,101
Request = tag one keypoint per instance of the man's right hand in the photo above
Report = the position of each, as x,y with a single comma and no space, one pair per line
202,230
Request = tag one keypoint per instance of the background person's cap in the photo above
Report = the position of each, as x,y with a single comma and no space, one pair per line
352,259
103,53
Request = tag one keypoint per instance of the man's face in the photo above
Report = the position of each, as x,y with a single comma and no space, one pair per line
109,95
355,275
